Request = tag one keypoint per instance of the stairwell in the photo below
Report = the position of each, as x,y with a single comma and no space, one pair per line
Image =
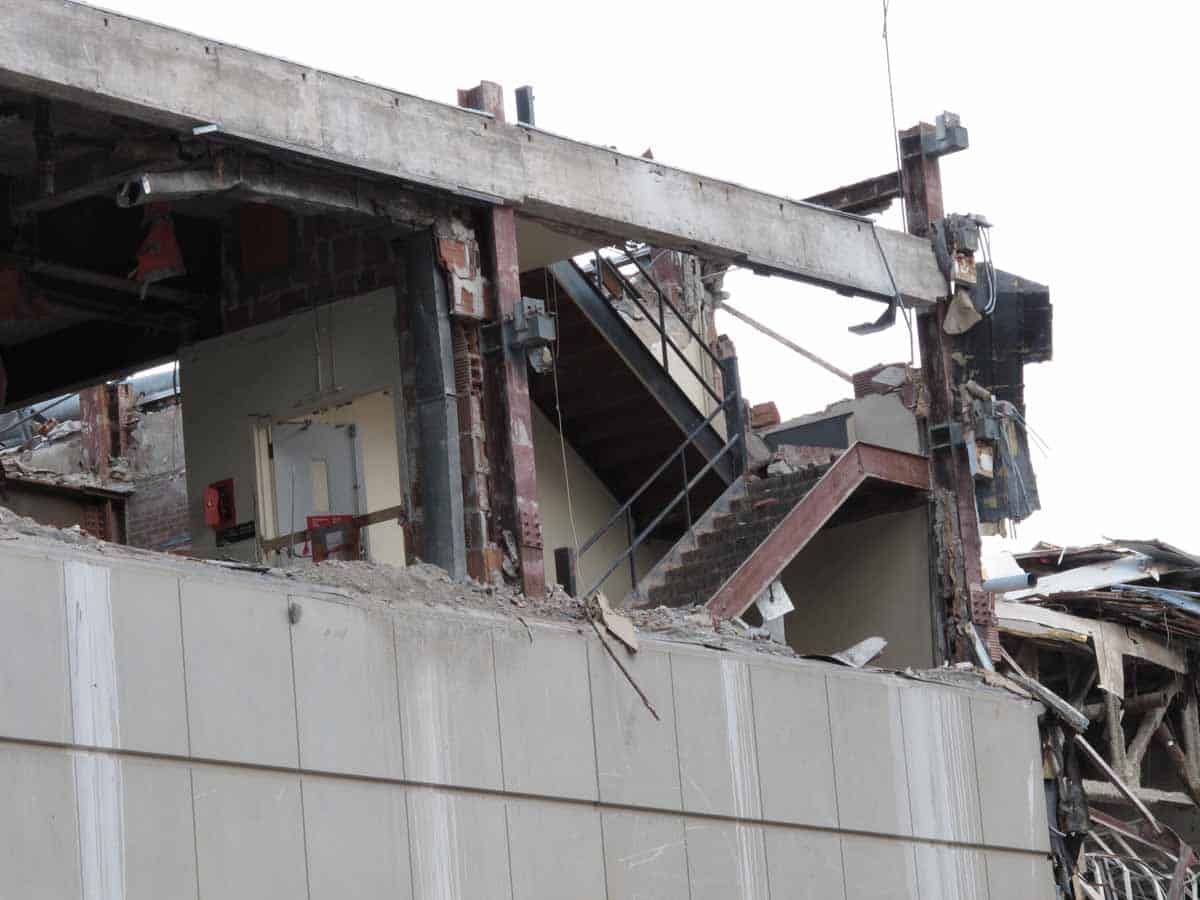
722,542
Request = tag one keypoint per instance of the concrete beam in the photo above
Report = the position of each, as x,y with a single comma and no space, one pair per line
180,81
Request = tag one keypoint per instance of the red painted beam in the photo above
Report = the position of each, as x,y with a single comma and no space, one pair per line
858,464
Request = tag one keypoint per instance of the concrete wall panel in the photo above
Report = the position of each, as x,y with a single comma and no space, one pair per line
35,699
805,865
569,857
718,758
347,705
545,714
645,855
951,873
249,834
356,834
159,847
1009,774
39,839
482,705
237,646
448,713
459,845
879,869
1019,876
637,756
148,647
726,859
868,754
795,748
940,753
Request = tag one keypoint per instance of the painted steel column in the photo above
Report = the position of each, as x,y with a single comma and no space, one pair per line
439,457
520,415
506,274
958,541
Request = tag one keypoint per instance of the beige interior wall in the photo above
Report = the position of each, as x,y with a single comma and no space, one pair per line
862,579
374,415
593,505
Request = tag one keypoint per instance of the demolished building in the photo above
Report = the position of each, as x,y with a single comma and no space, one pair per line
415,333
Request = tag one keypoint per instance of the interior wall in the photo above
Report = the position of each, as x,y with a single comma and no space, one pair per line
374,415
593,505
863,579
283,369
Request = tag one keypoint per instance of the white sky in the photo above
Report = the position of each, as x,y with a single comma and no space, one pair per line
1083,124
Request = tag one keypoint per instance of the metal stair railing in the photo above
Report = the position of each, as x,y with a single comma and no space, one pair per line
630,292
625,512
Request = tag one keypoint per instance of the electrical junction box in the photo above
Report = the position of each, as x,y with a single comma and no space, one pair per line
531,326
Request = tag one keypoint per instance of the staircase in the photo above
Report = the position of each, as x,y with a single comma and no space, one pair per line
722,541
747,538
622,410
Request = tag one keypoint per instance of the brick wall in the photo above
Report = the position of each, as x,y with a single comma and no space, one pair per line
156,514
276,265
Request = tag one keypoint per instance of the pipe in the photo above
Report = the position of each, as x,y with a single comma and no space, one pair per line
1006,583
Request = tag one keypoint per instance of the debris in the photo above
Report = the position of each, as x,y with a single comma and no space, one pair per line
857,655
774,602
624,671
1064,710
617,625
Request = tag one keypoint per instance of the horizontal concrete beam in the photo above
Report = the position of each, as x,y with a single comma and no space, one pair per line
177,80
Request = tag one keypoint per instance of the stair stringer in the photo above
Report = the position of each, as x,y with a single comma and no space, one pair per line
858,464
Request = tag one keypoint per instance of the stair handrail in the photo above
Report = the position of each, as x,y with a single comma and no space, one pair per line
626,509
634,295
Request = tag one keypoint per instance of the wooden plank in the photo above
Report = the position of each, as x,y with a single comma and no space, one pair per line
180,81
313,535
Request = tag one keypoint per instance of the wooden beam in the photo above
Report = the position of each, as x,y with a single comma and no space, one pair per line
310,535
181,82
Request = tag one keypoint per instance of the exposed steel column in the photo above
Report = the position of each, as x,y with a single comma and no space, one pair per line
956,519
521,471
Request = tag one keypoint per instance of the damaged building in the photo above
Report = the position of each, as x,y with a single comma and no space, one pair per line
497,585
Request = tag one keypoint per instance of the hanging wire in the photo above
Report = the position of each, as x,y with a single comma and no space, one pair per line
887,51
552,293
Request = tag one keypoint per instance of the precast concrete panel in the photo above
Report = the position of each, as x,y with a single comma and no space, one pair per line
637,756
940,753
249,834
645,855
545,714
347,704
795,748
557,850
1008,764
868,755
1019,876
39,837
951,873
126,651
459,845
448,714
158,839
35,697
238,657
726,859
879,868
714,710
804,865
357,838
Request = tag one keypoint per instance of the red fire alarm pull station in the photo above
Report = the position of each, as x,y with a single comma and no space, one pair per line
219,511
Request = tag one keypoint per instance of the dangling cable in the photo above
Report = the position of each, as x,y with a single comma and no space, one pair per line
887,52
